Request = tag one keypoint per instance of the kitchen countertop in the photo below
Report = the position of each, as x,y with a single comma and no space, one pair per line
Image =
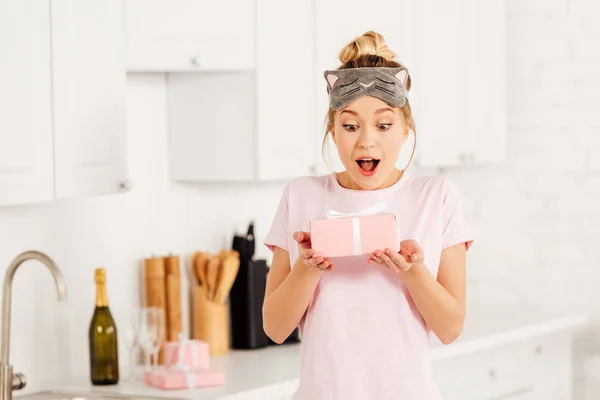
255,374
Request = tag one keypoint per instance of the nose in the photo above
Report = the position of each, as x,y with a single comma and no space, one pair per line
366,140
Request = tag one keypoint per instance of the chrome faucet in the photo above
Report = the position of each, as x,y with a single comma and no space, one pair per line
10,381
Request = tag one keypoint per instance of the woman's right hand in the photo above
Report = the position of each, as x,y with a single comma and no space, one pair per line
307,255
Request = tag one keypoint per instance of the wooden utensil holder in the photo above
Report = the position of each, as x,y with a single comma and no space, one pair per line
210,322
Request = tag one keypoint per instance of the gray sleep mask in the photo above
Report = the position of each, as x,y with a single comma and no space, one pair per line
346,85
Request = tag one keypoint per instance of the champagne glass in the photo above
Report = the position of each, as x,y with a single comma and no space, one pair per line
131,329
152,332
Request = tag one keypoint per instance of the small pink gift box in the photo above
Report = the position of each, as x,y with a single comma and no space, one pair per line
192,353
170,379
342,235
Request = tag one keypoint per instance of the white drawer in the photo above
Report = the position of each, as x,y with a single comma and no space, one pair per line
534,369
490,374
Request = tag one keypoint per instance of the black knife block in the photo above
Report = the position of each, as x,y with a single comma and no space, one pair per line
246,301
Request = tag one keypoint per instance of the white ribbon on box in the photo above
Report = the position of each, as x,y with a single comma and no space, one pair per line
190,377
372,210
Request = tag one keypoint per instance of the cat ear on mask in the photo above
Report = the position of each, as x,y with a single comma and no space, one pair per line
402,75
331,78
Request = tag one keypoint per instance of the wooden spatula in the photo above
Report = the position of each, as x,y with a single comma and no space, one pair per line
212,275
229,270
200,267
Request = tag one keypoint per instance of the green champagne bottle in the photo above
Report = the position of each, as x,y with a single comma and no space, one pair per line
104,352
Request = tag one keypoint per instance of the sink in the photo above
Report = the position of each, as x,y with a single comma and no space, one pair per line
71,395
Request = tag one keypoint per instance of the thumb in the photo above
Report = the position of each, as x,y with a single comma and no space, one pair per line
412,250
302,237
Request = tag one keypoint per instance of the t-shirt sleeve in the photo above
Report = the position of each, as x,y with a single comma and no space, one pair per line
455,229
278,233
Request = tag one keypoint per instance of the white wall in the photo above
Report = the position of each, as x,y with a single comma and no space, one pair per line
536,218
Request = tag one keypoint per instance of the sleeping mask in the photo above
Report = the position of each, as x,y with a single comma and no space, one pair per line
346,85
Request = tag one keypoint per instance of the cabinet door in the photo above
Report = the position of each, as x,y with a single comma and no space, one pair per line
484,110
25,102
437,80
181,35
337,23
89,96
285,89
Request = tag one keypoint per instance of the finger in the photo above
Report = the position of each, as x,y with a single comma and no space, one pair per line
307,253
380,259
325,266
412,257
412,250
388,262
375,259
398,259
302,237
315,261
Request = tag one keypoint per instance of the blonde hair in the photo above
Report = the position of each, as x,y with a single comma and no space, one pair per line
370,50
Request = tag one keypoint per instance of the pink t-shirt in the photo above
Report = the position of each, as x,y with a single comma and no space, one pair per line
362,337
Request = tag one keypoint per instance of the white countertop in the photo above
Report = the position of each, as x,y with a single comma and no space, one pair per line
253,374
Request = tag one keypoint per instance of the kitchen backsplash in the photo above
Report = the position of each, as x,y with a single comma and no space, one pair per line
535,218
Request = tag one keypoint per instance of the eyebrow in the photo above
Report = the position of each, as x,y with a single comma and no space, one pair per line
381,110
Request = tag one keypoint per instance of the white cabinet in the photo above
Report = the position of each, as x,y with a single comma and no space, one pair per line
183,35
438,82
454,50
484,66
460,83
25,102
285,88
529,369
89,81
62,127
249,125
273,109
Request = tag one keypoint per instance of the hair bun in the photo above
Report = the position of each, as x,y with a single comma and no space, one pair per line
369,43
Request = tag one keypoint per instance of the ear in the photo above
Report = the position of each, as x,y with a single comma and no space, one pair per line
402,75
332,79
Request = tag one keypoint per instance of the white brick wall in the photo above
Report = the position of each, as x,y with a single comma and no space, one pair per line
537,217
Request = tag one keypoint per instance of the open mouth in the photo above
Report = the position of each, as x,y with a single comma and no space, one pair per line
367,166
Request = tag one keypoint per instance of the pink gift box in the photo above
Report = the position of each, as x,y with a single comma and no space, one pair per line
195,354
354,235
170,379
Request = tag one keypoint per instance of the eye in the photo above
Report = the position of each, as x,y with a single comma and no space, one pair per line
350,127
384,127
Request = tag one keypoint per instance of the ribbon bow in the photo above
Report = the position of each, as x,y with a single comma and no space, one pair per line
372,210
180,365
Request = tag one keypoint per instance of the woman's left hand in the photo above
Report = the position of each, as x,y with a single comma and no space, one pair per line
410,253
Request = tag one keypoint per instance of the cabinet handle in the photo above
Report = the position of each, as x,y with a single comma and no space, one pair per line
471,157
539,349
463,158
195,61
492,373
125,186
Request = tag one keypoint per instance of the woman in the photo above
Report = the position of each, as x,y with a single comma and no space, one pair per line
365,321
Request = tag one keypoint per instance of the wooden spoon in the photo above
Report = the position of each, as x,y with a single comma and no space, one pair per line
200,267
229,270
212,274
